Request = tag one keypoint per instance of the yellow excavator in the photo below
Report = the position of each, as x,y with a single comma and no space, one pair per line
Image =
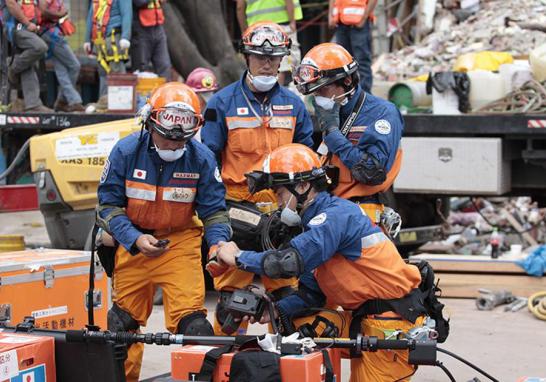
66,166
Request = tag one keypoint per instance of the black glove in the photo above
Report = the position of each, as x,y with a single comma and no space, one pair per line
328,119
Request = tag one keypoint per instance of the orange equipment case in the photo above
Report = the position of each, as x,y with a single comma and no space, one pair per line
51,286
187,360
26,358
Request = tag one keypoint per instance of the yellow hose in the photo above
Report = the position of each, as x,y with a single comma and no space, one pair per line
537,305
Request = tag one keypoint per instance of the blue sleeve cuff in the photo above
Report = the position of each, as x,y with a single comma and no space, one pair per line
335,141
124,232
217,232
292,305
251,261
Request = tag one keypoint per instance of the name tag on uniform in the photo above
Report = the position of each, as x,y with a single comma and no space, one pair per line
283,107
282,123
185,175
177,194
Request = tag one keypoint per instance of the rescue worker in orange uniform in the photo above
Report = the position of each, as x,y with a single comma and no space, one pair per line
108,33
244,122
149,38
341,257
152,186
361,132
352,20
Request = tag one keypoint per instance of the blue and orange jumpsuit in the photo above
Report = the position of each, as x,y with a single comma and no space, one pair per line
241,141
348,261
376,131
160,198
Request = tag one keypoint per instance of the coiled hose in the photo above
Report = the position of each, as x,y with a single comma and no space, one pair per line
537,305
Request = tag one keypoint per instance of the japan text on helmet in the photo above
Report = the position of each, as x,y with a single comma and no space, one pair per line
287,166
323,65
202,80
265,38
174,111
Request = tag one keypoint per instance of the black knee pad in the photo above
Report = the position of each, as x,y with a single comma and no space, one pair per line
195,324
118,320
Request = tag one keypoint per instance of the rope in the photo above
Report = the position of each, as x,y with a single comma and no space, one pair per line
537,305
530,98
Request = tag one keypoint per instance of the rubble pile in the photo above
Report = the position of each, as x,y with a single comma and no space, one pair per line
497,26
472,223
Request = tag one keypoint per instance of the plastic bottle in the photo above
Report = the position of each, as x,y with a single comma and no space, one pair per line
496,242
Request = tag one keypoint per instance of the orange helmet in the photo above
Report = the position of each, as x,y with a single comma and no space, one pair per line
324,64
265,38
174,111
287,165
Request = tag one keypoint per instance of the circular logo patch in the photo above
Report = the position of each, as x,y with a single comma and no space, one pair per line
318,220
217,175
383,127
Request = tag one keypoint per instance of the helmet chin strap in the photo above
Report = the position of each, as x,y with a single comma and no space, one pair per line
300,198
340,98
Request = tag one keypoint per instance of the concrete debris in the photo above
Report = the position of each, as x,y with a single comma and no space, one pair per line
472,222
497,26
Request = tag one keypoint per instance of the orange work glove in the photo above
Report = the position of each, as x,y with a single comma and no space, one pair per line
214,266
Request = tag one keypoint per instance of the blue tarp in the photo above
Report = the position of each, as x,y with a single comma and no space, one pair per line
535,263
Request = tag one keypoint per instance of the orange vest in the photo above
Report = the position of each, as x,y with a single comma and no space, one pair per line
248,142
152,14
101,17
349,188
349,12
30,10
380,272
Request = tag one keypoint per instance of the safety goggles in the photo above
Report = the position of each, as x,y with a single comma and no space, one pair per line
266,35
177,122
308,78
260,180
176,118
266,41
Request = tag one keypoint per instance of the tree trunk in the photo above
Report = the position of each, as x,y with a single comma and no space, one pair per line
198,37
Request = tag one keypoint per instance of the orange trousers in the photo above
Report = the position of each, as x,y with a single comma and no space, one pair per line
178,272
380,366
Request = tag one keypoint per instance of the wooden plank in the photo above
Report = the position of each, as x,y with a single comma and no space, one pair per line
467,285
462,263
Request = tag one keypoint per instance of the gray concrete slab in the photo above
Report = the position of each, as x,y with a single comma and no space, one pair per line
30,224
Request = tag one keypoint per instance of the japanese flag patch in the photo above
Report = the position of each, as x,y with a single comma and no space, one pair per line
242,111
139,174
383,127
